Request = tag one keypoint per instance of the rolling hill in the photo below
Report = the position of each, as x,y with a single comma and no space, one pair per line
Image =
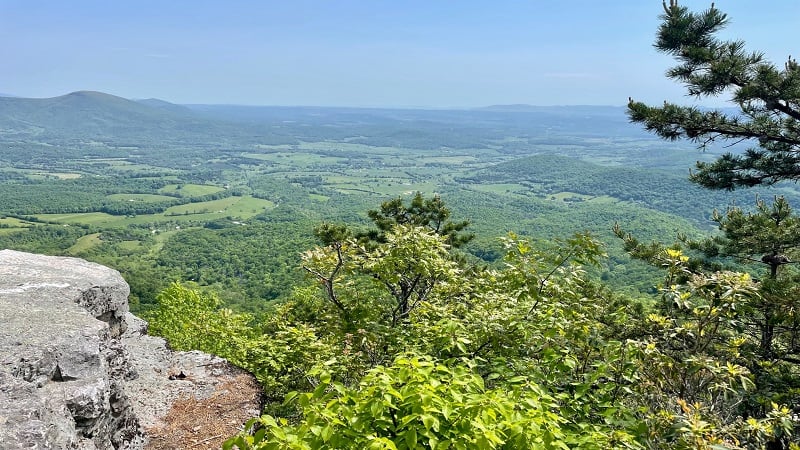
87,115
91,115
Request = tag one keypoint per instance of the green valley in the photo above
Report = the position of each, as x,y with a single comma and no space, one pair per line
126,189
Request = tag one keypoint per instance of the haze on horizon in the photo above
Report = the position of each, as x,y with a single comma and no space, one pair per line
360,53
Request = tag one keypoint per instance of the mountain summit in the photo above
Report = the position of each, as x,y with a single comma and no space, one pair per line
97,115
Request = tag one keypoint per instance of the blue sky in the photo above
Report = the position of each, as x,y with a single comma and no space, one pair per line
397,53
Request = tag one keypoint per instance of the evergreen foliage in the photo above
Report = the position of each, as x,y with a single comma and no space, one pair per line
767,97
430,213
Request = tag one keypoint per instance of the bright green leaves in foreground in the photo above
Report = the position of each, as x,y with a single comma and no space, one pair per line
278,351
193,320
418,403
401,344
511,358
531,355
412,267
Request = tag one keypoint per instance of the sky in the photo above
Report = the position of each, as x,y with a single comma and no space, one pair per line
362,53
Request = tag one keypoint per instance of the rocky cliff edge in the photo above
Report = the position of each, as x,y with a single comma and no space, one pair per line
78,371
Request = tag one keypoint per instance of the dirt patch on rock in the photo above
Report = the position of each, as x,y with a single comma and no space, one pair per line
200,424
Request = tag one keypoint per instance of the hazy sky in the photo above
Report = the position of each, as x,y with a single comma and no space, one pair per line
430,53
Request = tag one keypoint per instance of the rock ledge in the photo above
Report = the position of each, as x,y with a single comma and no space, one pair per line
77,370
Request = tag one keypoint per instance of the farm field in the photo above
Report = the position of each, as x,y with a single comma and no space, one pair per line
240,208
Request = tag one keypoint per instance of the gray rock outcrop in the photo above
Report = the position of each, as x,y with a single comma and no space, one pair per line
72,376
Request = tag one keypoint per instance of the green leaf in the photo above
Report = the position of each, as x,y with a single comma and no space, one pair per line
429,421
327,432
411,438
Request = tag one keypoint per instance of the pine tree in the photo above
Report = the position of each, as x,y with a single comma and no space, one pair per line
766,237
767,96
429,213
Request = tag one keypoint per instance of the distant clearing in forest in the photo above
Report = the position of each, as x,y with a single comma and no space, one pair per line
190,190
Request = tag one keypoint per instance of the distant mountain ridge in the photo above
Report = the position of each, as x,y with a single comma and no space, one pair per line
84,119
82,106
97,115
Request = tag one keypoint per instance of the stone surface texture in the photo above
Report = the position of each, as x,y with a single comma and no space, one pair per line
77,370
